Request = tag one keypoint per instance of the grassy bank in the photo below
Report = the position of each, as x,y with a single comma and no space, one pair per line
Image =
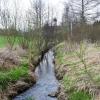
11,76
80,77
17,65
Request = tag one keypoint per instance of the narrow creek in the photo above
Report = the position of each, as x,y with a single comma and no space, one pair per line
47,83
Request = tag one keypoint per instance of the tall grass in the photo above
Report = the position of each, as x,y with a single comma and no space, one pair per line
7,77
81,55
78,79
3,41
9,40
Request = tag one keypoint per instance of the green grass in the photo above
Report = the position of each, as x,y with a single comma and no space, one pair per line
60,56
74,94
10,76
79,95
13,75
3,41
68,83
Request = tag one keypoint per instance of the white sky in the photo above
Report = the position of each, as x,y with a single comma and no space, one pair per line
56,5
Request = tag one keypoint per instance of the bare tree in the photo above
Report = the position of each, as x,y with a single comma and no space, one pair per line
77,15
83,8
5,15
15,16
68,19
37,13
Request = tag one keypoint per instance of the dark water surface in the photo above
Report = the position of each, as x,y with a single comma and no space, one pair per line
46,84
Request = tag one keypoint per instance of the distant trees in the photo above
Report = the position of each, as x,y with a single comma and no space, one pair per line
78,16
5,15
39,22
83,8
37,13
49,31
95,33
68,19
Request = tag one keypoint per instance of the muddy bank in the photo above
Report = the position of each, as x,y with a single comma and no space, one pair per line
18,87
24,84
47,86
62,95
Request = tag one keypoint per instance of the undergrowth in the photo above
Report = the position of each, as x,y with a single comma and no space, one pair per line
78,71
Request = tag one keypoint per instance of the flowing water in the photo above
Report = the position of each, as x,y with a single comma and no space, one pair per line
46,83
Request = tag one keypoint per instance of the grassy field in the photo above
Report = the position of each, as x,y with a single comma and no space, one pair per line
80,83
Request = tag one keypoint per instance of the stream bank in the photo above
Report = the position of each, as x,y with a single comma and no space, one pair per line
47,86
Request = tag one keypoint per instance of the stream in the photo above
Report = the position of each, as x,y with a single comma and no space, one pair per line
47,83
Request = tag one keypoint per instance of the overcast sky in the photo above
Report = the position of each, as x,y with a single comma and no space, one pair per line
57,6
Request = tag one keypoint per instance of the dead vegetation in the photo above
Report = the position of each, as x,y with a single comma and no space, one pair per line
77,73
15,75
10,58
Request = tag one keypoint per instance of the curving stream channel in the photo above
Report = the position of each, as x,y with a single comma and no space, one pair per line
46,83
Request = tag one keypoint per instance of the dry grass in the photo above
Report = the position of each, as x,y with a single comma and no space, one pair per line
75,74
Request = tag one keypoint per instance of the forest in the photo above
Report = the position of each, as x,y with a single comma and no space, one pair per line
49,51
